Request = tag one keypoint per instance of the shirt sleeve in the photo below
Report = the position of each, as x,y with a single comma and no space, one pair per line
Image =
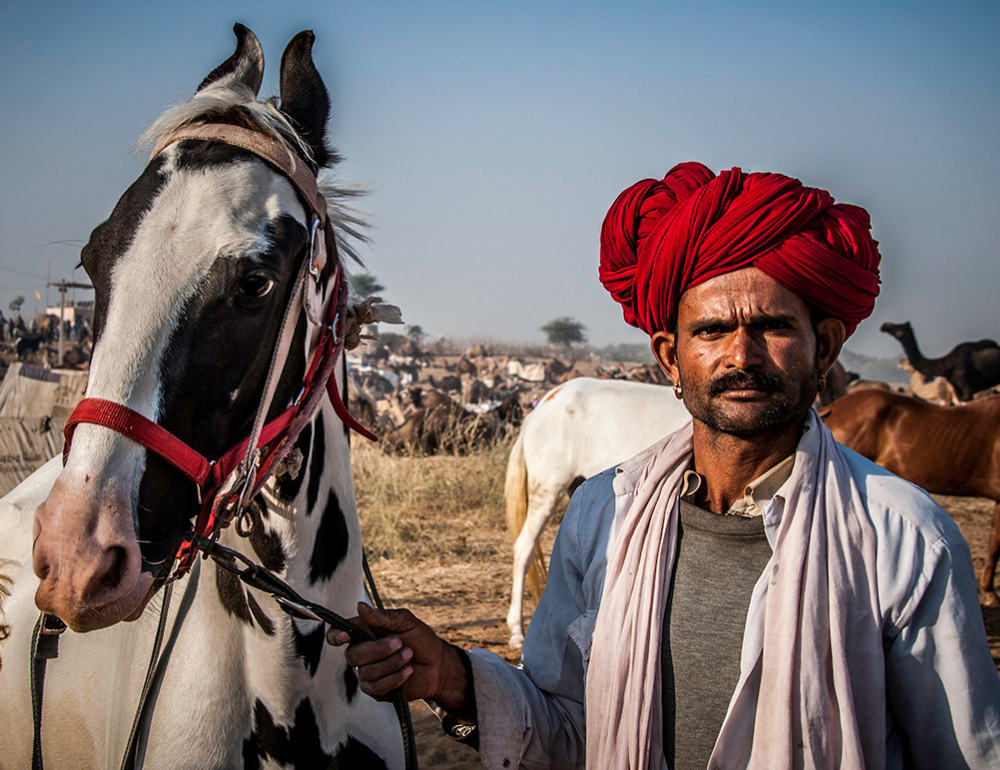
942,684
532,716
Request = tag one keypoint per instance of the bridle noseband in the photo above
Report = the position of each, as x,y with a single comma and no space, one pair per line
227,484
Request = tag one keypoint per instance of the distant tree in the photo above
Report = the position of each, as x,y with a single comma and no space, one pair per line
415,333
15,305
364,285
564,331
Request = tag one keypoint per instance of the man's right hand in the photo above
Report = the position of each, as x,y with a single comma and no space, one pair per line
408,655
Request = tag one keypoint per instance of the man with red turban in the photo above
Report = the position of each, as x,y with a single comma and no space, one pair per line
746,592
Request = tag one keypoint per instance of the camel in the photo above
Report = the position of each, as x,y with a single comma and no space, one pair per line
443,428
970,367
934,389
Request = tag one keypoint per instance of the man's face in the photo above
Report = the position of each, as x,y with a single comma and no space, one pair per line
745,353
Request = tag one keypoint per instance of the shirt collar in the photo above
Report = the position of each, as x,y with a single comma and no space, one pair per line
757,494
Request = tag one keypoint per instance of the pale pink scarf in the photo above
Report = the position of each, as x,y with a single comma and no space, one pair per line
822,693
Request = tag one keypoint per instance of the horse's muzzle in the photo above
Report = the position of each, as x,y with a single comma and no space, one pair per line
87,558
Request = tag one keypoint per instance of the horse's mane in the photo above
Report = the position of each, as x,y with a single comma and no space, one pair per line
233,102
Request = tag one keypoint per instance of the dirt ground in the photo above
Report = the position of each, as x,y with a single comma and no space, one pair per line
467,604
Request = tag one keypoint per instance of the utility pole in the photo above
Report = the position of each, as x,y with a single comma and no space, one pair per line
63,286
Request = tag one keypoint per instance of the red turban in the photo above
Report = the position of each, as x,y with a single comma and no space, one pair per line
661,238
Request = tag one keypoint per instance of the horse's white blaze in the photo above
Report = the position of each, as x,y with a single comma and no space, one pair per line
579,429
87,525
198,217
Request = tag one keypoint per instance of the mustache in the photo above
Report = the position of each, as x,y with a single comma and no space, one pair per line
745,380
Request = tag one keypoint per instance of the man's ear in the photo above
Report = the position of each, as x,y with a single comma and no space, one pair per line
664,347
830,337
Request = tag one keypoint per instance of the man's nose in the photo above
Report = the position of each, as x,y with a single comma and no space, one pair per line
746,349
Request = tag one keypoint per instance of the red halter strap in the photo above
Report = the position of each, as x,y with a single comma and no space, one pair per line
133,425
278,435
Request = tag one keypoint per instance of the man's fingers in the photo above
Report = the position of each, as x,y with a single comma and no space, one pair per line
387,621
376,623
385,668
380,689
337,637
366,653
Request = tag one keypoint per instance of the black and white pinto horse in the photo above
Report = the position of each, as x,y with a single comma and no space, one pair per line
192,272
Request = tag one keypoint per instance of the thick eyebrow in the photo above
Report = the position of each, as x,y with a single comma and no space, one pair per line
730,321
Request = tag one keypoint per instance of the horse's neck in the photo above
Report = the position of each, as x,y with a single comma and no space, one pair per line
310,533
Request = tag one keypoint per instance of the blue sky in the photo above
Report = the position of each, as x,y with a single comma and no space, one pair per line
495,136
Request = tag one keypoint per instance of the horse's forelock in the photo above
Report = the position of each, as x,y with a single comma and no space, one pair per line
235,100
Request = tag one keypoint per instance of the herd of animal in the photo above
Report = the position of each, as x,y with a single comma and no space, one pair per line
421,403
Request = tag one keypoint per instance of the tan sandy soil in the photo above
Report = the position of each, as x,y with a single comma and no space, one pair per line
467,603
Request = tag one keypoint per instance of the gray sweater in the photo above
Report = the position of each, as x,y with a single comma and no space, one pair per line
719,559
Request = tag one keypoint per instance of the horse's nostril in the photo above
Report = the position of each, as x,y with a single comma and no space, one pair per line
116,571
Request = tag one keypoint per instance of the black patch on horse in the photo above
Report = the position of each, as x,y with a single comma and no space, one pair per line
331,543
299,745
350,683
316,462
287,488
240,603
232,595
309,646
265,623
112,238
267,545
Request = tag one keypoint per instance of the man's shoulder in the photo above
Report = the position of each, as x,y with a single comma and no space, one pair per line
597,494
899,502
587,523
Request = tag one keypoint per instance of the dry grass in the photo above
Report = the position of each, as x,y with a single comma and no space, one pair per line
437,509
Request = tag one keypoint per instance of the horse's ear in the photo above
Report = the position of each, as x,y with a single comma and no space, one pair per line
245,66
303,96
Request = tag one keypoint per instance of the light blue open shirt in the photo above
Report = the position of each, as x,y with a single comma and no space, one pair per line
942,688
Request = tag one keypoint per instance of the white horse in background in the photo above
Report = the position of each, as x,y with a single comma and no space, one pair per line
579,429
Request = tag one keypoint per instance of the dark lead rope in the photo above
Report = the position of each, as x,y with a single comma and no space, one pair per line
128,761
44,647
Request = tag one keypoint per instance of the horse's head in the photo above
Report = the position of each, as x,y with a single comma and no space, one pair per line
192,273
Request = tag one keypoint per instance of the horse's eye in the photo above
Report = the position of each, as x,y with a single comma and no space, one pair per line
256,286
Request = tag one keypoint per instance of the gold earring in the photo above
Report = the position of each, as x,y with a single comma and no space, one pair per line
677,390
821,383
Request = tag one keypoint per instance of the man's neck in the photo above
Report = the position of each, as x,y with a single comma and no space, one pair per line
729,463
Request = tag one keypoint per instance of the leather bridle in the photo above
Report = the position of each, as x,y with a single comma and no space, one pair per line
227,484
